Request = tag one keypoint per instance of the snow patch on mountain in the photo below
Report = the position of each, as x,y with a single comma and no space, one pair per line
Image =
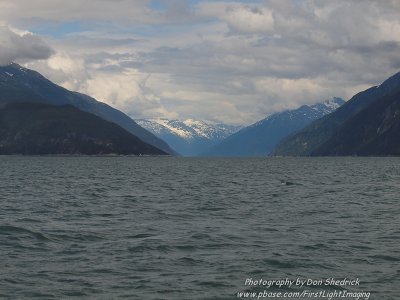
188,137
189,129
328,106
175,128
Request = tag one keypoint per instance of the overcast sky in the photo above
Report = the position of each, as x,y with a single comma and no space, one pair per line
221,61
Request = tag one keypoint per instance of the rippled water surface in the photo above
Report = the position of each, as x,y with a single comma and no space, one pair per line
186,228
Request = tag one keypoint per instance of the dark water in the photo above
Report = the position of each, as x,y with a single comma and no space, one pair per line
175,228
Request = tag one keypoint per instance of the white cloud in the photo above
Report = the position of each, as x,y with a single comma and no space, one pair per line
31,12
240,18
20,45
217,60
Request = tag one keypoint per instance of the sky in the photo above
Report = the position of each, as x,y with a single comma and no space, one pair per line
226,61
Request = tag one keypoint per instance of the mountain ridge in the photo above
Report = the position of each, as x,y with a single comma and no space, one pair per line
188,137
260,138
309,139
43,129
24,85
374,131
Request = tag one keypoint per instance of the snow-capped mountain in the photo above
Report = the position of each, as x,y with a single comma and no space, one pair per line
188,137
261,138
328,106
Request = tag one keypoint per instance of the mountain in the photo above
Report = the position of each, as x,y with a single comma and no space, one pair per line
375,131
18,84
188,137
261,138
329,132
35,129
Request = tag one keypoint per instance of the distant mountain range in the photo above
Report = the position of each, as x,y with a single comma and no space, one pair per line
368,124
24,86
40,117
261,138
18,84
189,137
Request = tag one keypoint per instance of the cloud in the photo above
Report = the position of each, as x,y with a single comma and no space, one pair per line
127,12
232,61
17,45
240,18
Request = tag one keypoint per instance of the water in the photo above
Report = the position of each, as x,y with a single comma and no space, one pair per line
176,228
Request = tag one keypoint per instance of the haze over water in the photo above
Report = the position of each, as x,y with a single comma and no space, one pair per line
180,228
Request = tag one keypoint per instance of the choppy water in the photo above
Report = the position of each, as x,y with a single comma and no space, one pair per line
176,228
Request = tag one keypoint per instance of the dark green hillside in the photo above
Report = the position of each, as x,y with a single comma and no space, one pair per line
375,131
18,84
32,128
